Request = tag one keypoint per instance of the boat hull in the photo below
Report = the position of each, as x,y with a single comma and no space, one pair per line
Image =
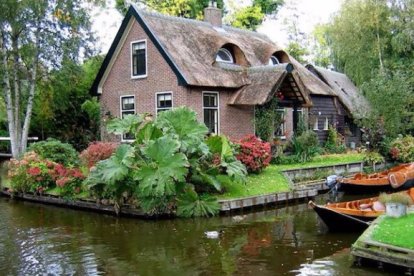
337,222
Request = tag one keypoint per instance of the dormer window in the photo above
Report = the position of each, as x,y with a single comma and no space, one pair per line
273,61
224,55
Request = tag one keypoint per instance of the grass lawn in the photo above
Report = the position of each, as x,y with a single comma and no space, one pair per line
271,180
396,231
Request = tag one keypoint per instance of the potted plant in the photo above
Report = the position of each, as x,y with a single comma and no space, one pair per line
395,203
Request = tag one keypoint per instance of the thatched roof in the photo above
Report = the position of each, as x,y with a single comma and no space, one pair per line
193,46
190,48
344,89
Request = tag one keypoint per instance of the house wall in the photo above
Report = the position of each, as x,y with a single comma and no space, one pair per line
325,107
235,122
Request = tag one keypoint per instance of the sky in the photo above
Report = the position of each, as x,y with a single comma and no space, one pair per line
310,12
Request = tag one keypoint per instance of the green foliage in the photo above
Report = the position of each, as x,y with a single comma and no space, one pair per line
267,119
402,149
373,157
391,97
401,197
248,18
335,142
65,95
191,204
297,51
163,169
268,6
129,124
183,8
182,123
168,155
306,146
56,151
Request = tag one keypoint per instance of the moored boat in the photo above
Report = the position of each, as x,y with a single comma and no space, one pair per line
398,177
351,216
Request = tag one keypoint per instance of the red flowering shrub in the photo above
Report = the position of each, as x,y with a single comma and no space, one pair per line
254,153
31,173
34,174
96,152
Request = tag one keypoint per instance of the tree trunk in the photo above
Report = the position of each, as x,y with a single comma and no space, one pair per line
8,97
32,89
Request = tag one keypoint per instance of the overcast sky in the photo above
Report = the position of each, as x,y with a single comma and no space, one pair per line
311,12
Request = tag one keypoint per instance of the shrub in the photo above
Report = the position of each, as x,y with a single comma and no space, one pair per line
96,152
402,149
31,173
306,145
35,174
373,157
334,142
254,153
55,151
402,198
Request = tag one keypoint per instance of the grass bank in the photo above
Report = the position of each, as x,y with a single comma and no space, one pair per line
395,231
272,180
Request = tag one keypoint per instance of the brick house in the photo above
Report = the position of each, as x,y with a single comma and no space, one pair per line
159,62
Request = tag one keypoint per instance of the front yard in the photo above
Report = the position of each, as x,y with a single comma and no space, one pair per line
272,180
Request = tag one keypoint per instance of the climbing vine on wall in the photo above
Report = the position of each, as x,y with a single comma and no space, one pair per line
267,120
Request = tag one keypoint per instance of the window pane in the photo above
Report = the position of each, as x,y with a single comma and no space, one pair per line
210,100
139,59
164,100
128,103
211,120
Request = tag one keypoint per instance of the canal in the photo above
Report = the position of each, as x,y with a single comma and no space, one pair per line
37,239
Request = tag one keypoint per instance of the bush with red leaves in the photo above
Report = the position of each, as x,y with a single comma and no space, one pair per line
254,153
96,152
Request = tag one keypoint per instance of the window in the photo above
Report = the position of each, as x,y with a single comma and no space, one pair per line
273,61
211,111
224,55
164,102
280,130
127,108
326,125
139,58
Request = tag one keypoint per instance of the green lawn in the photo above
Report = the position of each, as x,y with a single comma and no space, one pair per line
271,180
395,231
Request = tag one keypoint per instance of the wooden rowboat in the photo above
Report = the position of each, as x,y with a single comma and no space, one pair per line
351,216
398,177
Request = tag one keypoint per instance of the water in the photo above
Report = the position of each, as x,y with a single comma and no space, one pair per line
37,239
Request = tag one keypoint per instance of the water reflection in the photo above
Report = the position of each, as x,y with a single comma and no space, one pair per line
37,239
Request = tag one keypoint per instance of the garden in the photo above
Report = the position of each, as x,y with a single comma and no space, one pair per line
174,168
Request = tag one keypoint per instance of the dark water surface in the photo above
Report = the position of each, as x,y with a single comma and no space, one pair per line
39,240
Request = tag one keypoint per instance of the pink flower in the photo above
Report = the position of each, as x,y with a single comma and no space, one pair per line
34,171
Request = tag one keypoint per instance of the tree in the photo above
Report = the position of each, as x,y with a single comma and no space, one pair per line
249,17
183,8
64,108
34,37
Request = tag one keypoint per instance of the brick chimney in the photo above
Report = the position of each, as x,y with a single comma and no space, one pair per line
213,14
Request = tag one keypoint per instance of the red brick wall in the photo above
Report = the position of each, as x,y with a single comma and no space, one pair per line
235,122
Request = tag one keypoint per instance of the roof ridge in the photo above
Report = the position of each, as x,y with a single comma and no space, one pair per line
148,12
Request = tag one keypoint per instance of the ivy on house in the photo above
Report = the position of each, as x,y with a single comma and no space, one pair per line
267,119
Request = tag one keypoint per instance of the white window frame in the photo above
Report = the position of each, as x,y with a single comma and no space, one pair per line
227,52
271,63
218,108
283,124
132,61
156,101
121,111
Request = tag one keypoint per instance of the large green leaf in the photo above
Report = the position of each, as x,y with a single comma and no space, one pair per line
183,123
165,167
220,145
147,133
129,124
236,170
116,168
190,204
